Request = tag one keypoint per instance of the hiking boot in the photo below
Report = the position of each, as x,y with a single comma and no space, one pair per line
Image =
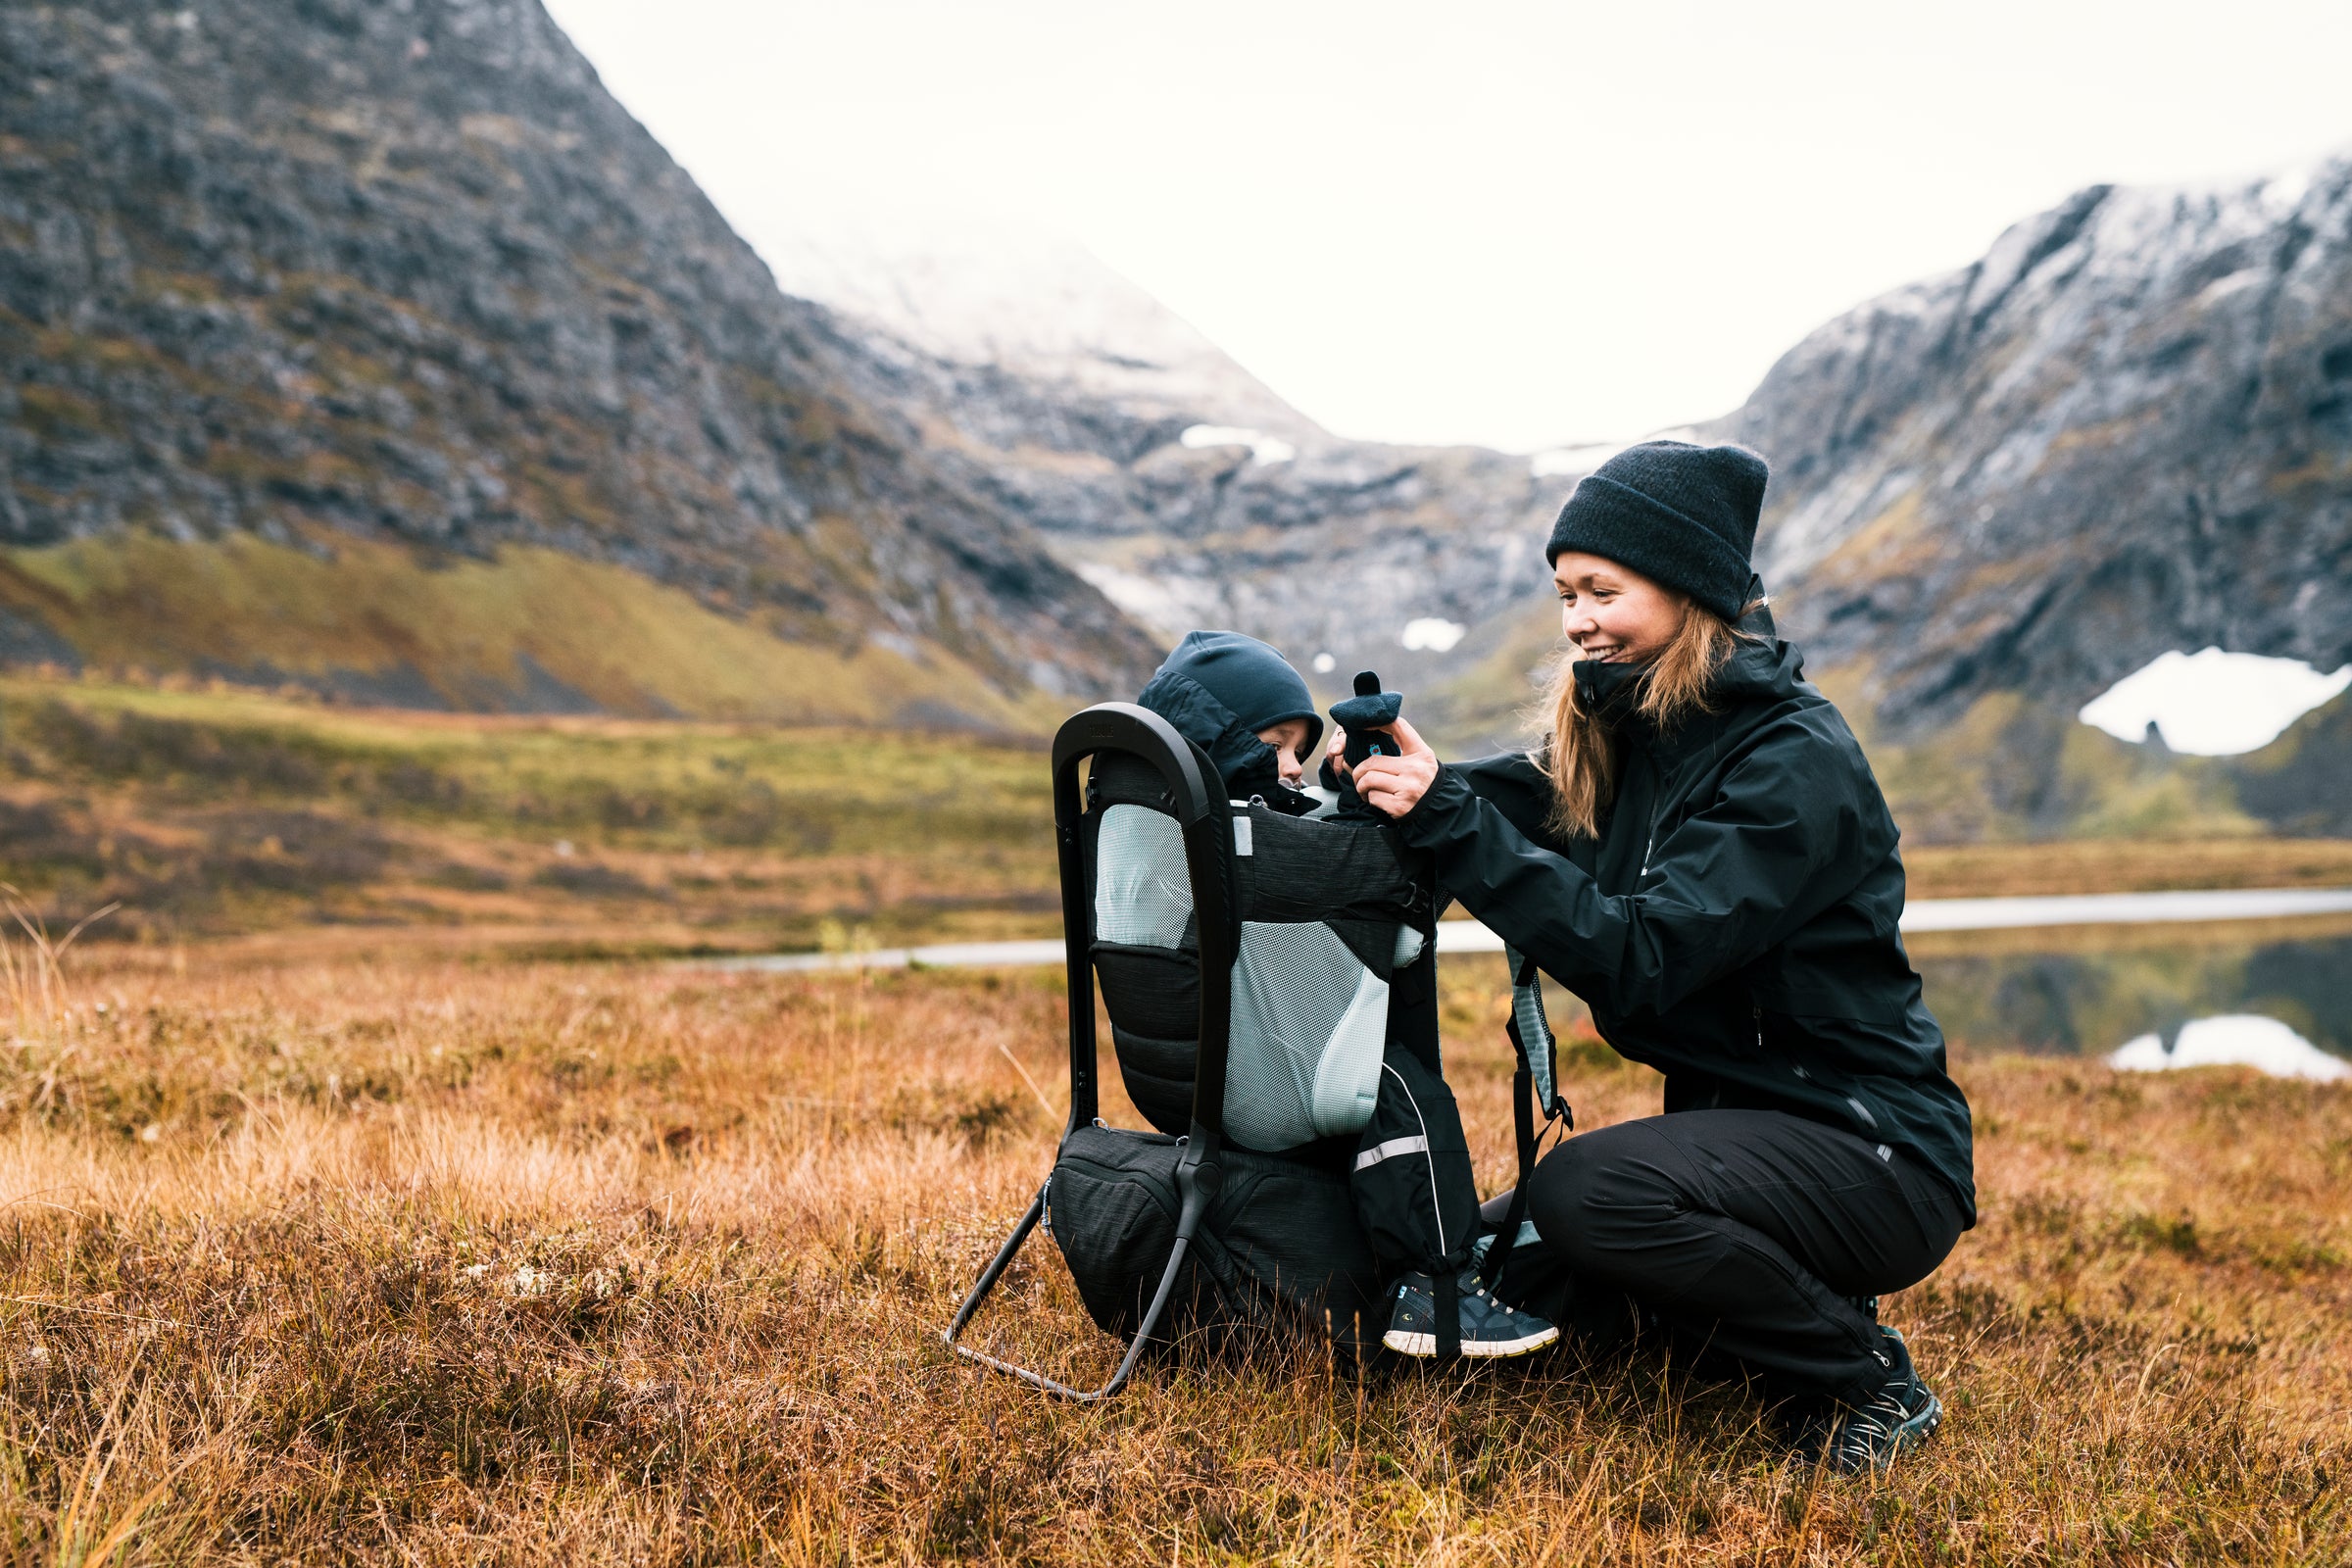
1900,1416
1489,1328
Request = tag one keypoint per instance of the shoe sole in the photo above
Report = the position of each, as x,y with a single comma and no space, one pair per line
1426,1344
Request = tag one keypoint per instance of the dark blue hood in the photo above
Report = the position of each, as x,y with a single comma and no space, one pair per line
1219,689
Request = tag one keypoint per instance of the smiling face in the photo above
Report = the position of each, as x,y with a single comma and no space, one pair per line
1288,739
1612,613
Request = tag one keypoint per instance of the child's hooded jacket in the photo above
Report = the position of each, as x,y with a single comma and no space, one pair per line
1219,689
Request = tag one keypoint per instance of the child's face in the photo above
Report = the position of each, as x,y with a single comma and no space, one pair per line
1288,739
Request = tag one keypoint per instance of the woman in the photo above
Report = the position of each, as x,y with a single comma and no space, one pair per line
1701,853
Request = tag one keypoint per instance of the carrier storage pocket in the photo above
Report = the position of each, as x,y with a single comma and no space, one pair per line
1280,1245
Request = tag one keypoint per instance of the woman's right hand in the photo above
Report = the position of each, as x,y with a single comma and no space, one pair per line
1394,785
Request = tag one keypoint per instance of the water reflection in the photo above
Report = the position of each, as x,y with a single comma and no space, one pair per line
2233,1040
2281,1005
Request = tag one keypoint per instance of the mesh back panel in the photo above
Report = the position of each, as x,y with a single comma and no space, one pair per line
1143,893
1309,1021
1308,1018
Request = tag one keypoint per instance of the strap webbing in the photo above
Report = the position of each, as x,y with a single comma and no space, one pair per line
1535,1083
1534,1029
1448,1288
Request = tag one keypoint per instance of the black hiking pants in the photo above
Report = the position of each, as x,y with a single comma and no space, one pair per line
1750,1230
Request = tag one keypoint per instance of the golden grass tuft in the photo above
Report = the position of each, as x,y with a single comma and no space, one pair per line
427,1262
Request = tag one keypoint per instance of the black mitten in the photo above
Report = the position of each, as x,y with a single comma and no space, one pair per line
1366,717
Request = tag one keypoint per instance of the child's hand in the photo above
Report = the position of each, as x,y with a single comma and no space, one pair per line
1394,785
1336,754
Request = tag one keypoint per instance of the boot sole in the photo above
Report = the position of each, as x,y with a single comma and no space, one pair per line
1426,1344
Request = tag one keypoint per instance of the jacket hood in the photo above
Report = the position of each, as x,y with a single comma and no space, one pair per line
1246,764
1251,678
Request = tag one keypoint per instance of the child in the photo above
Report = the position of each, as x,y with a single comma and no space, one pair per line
1410,1172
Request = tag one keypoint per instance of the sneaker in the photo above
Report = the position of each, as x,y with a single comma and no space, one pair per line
1489,1328
1903,1415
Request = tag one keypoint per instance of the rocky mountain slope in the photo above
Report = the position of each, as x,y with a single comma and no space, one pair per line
1163,469
1177,483
996,293
291,284
2126,430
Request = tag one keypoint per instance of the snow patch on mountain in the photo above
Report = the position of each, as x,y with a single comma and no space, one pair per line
1009,294
2213,704
1263,448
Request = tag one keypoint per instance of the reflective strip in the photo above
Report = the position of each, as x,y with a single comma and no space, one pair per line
1390,1150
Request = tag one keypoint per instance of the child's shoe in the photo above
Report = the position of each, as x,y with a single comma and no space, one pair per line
1489,1328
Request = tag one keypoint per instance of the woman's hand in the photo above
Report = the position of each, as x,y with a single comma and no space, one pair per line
1394,785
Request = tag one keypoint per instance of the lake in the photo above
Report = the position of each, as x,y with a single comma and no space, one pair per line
2279,1003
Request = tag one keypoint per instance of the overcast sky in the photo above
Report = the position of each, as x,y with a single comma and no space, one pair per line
1514,224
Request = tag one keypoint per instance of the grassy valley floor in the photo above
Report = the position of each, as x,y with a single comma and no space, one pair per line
293,825
421,1260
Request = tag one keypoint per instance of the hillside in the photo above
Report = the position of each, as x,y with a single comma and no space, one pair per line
381,311
234,814
1167,482
2125,431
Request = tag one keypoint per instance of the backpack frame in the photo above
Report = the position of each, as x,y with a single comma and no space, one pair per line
1196,798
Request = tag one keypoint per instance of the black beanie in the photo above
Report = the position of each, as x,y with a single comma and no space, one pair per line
1682,516
1248,678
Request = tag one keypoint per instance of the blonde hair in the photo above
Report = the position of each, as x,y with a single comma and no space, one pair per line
1581,757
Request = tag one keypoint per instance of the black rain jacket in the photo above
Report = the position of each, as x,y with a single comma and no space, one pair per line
1734,924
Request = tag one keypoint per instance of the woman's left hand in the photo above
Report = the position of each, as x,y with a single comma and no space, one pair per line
1394,785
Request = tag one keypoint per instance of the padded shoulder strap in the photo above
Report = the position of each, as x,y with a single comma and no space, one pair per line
1535,1030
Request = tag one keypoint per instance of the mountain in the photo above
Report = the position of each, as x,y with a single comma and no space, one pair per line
2126,430
1164,472
374,347
990,293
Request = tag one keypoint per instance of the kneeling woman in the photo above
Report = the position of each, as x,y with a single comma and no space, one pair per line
1702,854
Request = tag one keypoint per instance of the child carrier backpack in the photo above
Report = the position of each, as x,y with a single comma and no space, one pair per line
1247,960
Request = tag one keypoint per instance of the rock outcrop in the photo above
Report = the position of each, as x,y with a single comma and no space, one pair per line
2126,430
312,270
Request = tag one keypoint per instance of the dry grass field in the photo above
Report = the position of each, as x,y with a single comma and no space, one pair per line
422,1260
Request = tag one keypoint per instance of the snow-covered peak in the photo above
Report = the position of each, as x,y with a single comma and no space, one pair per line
998,291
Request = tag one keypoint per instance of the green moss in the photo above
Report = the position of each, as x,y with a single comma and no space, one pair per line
59,413
359,614
652,784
